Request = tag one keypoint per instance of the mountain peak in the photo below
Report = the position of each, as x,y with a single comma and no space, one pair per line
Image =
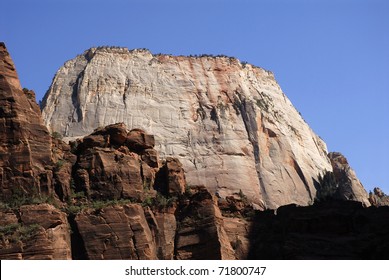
228,122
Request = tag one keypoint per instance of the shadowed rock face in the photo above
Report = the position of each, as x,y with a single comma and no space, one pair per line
25,148
201,229
328,230
350,186
228,123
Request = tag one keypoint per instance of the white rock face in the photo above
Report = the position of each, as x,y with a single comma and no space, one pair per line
229,123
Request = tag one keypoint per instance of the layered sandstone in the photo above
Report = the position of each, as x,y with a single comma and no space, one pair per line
114,167
201,233
229,123
119,232
25,149
35,232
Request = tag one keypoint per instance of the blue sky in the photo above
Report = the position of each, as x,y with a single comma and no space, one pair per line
330,57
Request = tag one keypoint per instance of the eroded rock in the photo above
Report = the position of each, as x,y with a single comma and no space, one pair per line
41,233
201,233
25,143
228,123
350,188
119,232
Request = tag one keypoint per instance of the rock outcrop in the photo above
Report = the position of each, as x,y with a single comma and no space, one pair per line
35,232
350,188
201,233
171,224
119,232
228,122
378,198
25,149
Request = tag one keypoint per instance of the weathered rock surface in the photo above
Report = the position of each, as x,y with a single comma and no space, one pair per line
117,232
167,226
25,148
195,231
378,198
171,177
107,170
40,232
350,188
229,123
62,172
238,231
109,166
201,233
26,176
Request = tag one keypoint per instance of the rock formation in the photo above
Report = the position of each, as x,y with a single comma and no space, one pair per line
110,195
134,205
25,149
378,198
350,188
228,122
35,232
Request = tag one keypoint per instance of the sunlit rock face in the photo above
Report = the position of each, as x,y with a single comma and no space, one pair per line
229,123
25,142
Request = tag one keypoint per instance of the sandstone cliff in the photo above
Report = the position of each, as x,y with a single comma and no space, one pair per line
350,188
109,195
25,148
37,232
228,122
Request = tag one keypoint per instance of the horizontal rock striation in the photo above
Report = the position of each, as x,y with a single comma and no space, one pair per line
25,149
37,232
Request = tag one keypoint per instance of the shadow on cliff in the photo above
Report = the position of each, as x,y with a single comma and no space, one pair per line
331,230
76,241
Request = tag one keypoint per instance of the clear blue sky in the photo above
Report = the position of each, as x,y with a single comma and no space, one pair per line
330,57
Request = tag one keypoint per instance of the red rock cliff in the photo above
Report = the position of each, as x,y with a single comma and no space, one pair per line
25,148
